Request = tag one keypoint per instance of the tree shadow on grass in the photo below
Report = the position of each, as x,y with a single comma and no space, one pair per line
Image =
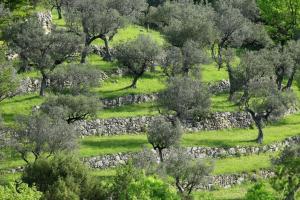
209,143
20,100
111,144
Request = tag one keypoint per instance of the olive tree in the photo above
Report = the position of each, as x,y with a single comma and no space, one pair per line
74,79
187,171
293,49
100,19
265,102
8,82
287,173
261,97
283,64
71,108
230,23
235,30
163,134
57,4
41,136
180,27
186,98
183,60
137,56
42,51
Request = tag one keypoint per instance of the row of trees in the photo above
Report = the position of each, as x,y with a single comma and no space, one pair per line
256,84
58,176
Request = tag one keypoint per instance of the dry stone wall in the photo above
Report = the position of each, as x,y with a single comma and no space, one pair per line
229,180
135,125
114,160
215,88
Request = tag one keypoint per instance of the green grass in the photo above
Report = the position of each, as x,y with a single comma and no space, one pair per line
243,164
30,74
115,87
290,126
58,22
93,146
145,109
9,178
220,103
236,192
98,62
210,73
234,165
22,105
19,105
252,163
130,33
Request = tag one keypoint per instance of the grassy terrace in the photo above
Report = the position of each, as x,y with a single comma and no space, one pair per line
222,166
93,146
290,126
22,105
237,192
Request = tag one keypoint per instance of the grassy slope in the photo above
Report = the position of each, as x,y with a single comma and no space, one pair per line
290,126
22,105
234,193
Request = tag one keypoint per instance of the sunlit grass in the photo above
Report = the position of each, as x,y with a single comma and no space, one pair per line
19,105
135,110
130,33
236,192
114,87
290,126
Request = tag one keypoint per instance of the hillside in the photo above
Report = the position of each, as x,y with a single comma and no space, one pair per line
220,107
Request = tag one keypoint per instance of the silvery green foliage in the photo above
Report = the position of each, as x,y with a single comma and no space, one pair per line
101,19
163,134
231,25
181,21
185,97
137,56
40,50
95,20
261,97
293,49
74,79
146,160
183,60
248,8
8,81
71,108
187,171
39,135
133,10
3,11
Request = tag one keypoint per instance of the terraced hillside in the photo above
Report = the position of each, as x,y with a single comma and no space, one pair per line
118,131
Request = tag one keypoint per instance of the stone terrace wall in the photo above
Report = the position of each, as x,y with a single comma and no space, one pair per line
134,125
229,180
113,160
219,87
129,99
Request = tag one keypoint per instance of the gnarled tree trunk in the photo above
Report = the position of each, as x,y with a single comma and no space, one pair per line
43,84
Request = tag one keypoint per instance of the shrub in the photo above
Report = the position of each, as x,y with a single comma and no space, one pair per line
20,192
131,183
62,178
74,79
259,192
